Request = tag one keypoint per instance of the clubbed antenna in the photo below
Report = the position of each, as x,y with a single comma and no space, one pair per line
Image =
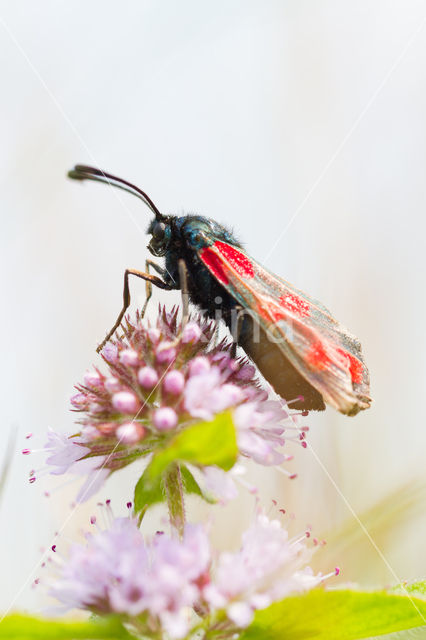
83,172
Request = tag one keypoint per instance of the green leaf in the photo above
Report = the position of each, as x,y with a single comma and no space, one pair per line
148,491
191,485
415,589
336,615
20,627
415,633
204,443
189,482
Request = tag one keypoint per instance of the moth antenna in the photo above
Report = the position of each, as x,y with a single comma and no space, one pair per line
84,172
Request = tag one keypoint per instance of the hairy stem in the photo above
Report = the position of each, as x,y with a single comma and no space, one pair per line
174,494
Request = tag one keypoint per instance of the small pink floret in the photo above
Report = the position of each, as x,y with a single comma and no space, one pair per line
154,334
112,384
199,365
191,333
165,353
110,352
77,400
129,357
125,401
130,432
246,372
147,377
92,379
165,419
95,407
174,382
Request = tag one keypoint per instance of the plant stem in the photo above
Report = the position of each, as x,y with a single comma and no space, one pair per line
174,494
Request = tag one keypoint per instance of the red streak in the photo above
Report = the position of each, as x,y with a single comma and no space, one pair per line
295,304
214,264
238,260
318,357
355,366
279,309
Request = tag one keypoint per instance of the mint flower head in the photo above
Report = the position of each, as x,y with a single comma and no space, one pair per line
156,381
154,581
160,583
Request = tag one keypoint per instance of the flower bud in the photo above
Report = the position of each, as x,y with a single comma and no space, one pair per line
92,379
174,382
147,377
199,365
165,418
247,372
79,401
191,333
165,353
95,407
154,334
130,432
129,357
110,352
112,384
125,402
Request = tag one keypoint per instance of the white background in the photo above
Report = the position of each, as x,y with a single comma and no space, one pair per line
300,124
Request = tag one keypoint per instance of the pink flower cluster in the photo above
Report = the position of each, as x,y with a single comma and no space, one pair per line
118,572
157,381
267,567
159,378
160,581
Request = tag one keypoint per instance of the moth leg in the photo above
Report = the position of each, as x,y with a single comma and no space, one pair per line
236,326
160,270
183,283
183,279
126,297
148,284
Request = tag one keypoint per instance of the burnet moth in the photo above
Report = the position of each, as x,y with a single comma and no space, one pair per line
300,349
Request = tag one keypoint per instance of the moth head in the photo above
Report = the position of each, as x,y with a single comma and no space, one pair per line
160,232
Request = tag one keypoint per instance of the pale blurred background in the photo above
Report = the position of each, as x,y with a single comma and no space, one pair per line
297,121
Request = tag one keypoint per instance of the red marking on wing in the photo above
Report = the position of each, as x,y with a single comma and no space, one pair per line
316,346
279,309
212,261
320,357
242,265
317,356
295,304
355,366
269,309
